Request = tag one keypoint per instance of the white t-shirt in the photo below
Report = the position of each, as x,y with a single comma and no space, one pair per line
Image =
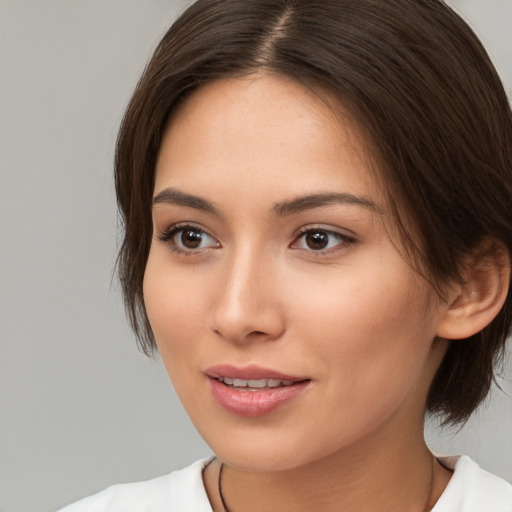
471,489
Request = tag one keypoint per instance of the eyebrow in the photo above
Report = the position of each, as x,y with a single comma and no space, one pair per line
179,198
311,201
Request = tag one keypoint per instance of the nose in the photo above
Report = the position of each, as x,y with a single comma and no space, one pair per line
247,306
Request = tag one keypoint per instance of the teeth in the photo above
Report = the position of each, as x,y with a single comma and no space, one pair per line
255,383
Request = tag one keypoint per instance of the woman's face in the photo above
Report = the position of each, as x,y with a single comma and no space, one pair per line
290,326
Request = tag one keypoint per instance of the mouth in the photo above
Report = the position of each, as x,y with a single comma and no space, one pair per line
253,391
256,384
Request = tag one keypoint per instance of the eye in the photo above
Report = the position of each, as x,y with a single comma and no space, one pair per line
188,239
320,240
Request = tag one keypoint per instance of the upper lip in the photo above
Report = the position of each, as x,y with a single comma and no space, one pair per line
250,372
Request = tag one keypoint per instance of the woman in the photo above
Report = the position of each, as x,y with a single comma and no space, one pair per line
316,201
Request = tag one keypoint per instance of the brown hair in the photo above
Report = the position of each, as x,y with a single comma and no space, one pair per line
421,86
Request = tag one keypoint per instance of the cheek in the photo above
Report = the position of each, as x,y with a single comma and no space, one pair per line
175,308
365,328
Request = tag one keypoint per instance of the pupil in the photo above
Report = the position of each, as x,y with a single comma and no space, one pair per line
191,239
317,240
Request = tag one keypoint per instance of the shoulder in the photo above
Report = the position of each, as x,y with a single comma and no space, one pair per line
472,489
179,491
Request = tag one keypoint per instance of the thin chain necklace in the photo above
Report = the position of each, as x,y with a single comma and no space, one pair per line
221,469
426,509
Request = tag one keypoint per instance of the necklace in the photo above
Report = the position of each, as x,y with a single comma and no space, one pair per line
226,509
426,509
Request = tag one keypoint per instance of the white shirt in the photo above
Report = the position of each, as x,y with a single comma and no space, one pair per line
471,489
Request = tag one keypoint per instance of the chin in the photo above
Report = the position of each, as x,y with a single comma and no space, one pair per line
257,460
264,451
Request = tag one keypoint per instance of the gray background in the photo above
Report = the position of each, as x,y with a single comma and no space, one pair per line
80,408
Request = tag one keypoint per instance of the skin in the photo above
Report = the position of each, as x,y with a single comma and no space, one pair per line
354,318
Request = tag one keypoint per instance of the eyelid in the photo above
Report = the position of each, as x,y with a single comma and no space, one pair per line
328,228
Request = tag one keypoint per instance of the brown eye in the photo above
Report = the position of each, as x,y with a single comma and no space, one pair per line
317,240
191,238
188,239
321,240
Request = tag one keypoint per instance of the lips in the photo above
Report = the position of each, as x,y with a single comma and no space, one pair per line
249,372
252,390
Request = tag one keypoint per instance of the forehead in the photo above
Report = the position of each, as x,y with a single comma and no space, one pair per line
266,132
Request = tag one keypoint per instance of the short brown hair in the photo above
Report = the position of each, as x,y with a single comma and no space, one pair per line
417,81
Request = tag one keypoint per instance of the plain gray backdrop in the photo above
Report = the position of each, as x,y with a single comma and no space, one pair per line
80,407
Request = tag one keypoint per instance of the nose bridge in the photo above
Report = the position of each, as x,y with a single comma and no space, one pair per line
247,303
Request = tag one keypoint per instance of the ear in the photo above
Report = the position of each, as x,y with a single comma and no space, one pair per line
475,303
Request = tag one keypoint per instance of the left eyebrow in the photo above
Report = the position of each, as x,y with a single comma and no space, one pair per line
177,197
311,201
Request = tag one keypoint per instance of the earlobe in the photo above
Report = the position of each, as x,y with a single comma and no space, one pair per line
476,303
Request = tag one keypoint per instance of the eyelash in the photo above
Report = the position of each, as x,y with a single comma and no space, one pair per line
168,235
343,240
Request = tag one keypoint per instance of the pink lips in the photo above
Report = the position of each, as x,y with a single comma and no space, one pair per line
254,402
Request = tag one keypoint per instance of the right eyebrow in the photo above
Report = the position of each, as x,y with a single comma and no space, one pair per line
177,197
311,201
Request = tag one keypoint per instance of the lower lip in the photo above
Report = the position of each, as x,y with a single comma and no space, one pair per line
254,403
